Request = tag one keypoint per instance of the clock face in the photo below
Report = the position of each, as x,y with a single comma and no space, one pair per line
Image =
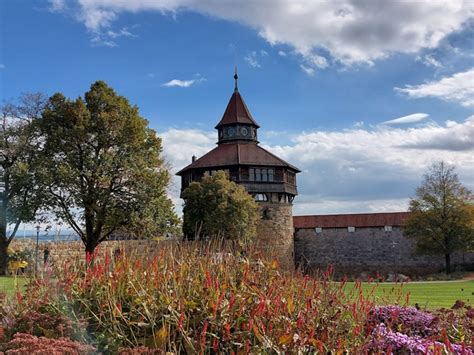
244,131
230,131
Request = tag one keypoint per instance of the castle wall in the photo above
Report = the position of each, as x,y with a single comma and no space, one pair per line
366,250
275,231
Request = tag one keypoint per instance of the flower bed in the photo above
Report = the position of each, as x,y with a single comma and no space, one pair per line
191,299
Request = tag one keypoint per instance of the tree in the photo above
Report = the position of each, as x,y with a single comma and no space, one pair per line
440,221
103,167
22,193
219,208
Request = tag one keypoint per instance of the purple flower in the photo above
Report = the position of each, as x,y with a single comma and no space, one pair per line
407,320
383,339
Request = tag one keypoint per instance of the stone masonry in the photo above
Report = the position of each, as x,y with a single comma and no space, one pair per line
275,231
370,249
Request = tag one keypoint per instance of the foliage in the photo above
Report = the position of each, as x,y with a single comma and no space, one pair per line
440,220
23,191
34,312
30,344
458,322
195,298
19,255
18,259
103,167
219,208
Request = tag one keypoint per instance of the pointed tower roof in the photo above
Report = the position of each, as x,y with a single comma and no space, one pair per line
236,111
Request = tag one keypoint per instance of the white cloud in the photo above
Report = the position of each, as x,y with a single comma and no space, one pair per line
57,5
123,32
456,88
429,61
100,41
252,59
307,70
282,54
108,38
413,118
454,137
316,61
311,62
353,170
179,83
2,66
178,147
350,31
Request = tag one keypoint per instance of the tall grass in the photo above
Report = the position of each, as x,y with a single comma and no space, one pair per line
204,298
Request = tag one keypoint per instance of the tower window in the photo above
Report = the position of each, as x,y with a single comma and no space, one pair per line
351,229
261,174
318,230
270,174
261,197
388,228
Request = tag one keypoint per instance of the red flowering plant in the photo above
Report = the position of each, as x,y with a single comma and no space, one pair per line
184,298
194,298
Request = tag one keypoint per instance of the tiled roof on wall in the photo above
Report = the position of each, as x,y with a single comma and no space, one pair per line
359,220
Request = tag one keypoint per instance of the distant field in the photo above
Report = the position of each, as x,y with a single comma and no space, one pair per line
8,284
430,294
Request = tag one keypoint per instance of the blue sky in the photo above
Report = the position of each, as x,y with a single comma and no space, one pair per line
321,78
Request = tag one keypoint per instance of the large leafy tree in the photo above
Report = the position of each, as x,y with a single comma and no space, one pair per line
22,192
218,208
441,216
103,167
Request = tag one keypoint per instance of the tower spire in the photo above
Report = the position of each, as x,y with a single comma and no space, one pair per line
236,77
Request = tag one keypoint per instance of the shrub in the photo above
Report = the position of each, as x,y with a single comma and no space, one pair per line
30,344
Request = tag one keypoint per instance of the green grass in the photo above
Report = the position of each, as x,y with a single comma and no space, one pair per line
430,294
8,284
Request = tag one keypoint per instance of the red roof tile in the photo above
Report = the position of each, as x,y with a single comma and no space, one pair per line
237,154
351,220
236,112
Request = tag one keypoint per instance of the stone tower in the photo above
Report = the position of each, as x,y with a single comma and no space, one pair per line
269,179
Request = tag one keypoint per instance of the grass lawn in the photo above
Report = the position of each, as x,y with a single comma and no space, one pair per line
430,294
8,284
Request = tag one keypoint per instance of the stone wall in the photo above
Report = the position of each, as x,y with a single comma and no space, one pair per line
366,250
275,231
73,252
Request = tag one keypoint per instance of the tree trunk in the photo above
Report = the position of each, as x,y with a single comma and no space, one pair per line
90,249
3,256
447,257
3,236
